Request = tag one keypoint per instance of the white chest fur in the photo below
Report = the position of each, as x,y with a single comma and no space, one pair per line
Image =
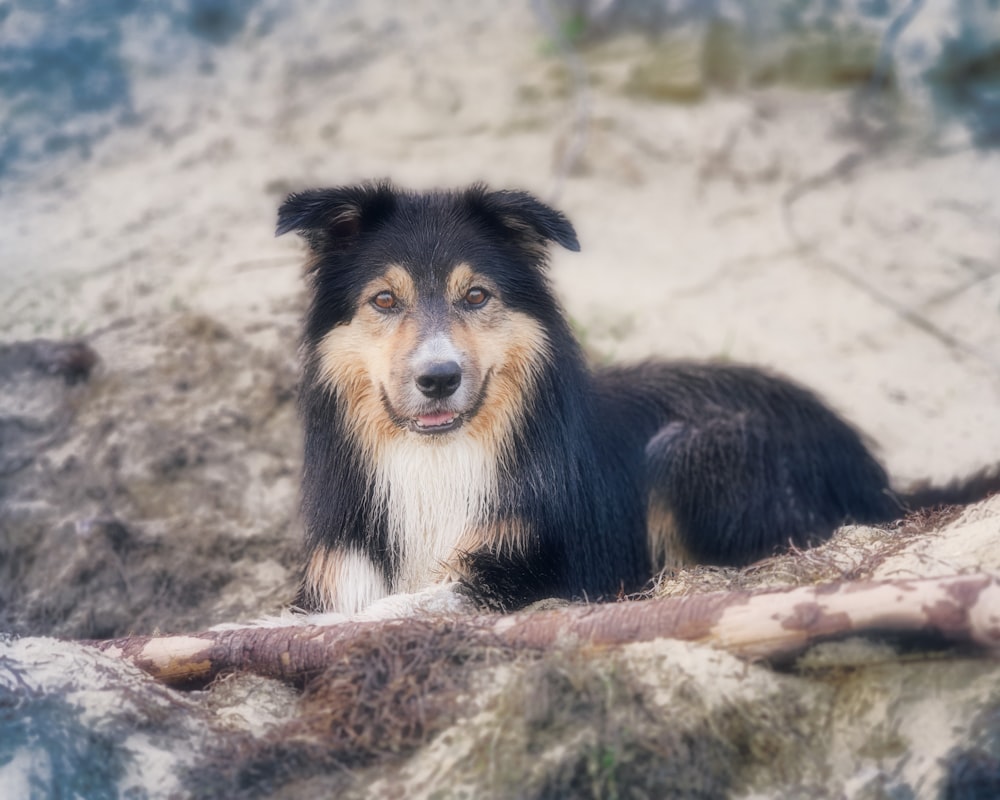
434,491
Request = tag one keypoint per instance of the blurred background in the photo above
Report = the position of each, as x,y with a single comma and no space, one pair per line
808,185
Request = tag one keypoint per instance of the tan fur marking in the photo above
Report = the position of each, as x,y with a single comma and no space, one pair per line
511,347
312,262
342,580
352,214
666,549
529,238
359,358
460,280
508,345
322,572
500,537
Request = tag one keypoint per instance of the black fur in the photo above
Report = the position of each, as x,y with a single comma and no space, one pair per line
746,462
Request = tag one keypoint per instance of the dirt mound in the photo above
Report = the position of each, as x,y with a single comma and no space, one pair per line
149,479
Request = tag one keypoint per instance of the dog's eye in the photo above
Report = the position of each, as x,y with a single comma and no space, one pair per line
384,300
476,296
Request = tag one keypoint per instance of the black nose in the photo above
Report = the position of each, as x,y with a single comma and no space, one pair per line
440,379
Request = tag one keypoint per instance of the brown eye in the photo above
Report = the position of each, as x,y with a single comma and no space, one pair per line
476,296
384,301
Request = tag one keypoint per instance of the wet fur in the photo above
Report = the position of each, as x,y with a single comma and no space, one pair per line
559,480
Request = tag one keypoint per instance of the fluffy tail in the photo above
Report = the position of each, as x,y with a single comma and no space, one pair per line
959,492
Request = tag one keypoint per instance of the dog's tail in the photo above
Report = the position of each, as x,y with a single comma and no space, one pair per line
959,492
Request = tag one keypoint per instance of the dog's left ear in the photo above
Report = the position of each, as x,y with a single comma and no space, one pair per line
526,216
335,218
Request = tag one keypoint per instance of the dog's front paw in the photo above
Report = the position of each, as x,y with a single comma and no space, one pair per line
286,619
441,599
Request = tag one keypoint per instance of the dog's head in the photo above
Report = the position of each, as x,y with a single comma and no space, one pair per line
430,312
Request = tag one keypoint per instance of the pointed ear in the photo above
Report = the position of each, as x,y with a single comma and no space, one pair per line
334,218
526,216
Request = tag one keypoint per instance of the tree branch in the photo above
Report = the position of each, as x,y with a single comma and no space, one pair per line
769,625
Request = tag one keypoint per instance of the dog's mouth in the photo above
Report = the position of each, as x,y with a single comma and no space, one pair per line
436,421
439,422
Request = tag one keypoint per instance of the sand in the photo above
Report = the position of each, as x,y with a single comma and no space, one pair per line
721,229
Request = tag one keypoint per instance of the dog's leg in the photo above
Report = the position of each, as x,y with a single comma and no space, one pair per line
723,491
342,580
441,599
507,581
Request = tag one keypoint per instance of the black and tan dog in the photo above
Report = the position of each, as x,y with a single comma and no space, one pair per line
454,432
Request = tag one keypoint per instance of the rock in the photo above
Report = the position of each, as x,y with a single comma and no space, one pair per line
674,70
944,58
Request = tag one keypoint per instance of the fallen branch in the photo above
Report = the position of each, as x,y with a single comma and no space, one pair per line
771,625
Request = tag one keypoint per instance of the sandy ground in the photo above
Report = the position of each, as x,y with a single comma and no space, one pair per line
764,228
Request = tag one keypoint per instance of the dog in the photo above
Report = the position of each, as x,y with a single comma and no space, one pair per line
455,434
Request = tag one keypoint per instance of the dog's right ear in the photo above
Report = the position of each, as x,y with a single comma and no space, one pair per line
524,217
335,218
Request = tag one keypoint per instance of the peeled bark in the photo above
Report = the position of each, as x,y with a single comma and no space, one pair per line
757,625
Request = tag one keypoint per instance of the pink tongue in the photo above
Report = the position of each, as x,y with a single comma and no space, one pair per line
432,420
